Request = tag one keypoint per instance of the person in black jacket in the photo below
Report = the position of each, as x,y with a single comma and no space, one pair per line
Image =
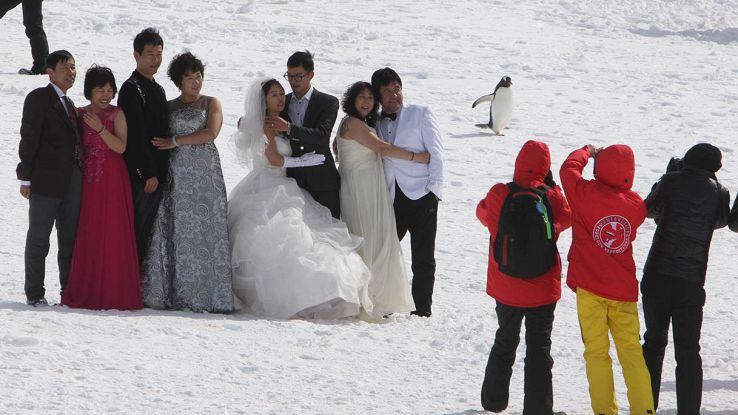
307,121
50,173
145,105
688,204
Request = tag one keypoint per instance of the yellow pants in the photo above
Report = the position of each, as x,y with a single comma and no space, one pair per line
597,316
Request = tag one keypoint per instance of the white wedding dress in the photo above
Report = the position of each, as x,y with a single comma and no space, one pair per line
290,257
368,213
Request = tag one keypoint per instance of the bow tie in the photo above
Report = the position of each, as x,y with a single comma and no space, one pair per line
390,116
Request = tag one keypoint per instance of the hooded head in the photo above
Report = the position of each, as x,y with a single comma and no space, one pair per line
704,156
615,166
532,164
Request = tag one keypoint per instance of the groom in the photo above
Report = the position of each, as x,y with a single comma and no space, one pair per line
50,173
415,187
307,121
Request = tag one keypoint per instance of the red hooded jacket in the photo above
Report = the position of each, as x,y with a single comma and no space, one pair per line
605,216
531,167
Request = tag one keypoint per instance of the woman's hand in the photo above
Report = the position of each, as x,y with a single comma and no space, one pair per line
271,153
163,143
423,158
92,121
270,134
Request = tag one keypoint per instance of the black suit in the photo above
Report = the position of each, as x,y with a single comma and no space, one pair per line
145,105
322,182
47,160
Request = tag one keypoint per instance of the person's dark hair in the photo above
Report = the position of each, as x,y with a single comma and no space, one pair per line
302,58
56,57
348,103
183,63
382,77
99,76
267,85
148,36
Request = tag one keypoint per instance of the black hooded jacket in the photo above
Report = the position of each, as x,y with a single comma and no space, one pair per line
688,204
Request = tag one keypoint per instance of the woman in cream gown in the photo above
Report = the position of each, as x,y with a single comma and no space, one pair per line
365,204
290,258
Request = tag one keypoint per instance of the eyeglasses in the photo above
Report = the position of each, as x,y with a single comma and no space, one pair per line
297,77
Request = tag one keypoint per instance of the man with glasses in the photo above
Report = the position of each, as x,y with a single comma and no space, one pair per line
307,121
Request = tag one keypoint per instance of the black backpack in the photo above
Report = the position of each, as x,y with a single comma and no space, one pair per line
525,244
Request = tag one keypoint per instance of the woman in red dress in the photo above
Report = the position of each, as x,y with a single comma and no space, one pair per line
104,272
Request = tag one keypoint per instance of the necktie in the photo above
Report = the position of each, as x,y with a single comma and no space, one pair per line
73,119
390,116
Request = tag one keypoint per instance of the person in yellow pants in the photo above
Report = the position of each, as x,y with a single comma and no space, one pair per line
605,215
597,317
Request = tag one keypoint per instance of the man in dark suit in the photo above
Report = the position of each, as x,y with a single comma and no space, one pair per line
144,102
307,121
50,173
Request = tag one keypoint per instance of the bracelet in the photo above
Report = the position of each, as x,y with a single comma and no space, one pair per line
102,128
412,157
174,141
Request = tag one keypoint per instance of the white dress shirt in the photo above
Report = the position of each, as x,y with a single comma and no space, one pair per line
298,107
415,129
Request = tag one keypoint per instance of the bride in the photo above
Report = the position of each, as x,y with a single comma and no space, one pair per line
290,258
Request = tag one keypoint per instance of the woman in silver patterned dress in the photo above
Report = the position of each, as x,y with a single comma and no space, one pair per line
188,262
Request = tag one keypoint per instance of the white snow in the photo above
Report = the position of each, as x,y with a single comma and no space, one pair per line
657,75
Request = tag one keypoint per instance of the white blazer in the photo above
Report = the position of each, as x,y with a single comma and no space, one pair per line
417,131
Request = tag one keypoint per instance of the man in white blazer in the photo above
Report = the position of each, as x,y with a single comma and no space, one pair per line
415,188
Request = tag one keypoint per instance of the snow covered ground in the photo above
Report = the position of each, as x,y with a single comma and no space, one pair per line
657,75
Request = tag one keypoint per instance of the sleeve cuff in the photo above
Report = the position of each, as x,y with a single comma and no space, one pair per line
25,182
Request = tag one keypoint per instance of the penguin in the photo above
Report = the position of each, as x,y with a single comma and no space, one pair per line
500,111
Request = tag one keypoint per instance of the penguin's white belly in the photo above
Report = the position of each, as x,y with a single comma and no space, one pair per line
501,109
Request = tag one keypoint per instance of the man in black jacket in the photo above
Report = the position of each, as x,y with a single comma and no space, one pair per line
50,173
307,121
688,204
144,103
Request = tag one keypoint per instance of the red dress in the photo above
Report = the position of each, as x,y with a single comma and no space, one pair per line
104,272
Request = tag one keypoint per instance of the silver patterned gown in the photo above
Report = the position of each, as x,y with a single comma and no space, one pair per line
188,263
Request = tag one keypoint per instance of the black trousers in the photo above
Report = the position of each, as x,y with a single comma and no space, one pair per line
145,207
33,22
43,213
419,217
329,199
538,387
679,303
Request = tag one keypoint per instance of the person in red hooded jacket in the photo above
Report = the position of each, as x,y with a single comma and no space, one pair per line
602,273
533,299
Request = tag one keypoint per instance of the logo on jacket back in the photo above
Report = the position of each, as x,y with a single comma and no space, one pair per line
612,233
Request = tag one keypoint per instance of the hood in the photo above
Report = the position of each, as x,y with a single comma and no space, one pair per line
532,164
615,166
704,156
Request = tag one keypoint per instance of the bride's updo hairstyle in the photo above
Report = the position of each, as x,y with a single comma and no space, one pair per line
348,103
